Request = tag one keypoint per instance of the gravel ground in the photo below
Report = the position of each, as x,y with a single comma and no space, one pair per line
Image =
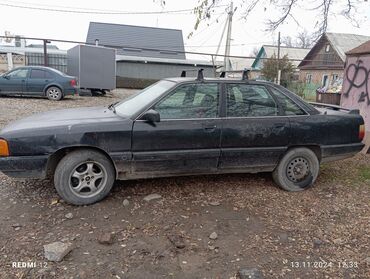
323,232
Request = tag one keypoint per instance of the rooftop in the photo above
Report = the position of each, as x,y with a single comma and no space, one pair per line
131,39
361,49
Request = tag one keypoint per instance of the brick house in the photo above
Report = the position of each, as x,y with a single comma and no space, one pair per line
324,63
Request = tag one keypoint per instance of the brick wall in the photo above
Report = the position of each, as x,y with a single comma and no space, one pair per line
317,75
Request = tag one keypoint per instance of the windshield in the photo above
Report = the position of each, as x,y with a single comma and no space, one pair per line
143,98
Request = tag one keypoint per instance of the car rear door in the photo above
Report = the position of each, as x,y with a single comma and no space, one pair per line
15,81
187,138
255,132
37,81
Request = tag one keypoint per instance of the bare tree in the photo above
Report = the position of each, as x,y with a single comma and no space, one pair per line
287,8
304,40
255,52
287,41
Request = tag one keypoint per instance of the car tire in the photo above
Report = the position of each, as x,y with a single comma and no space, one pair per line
84,177
297,170
54,93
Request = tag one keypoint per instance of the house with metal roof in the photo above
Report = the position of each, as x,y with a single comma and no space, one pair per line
139,41
145,54
324,63
267,51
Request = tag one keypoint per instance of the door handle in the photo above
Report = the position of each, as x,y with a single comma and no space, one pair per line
210,128
279,125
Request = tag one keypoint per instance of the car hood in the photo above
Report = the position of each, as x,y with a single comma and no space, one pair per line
68,118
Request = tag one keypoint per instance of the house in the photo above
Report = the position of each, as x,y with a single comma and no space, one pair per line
324,63
146,54
267,51
356,90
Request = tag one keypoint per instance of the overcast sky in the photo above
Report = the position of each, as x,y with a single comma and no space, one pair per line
245,35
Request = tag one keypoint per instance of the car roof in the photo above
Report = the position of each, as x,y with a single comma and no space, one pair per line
192,79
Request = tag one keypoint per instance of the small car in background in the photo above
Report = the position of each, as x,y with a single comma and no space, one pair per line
38,81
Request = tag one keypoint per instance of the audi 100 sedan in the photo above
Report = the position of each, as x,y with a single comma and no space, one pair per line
37,81
181,126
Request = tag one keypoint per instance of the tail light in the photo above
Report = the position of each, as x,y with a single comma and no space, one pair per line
73,82
4,148
361,132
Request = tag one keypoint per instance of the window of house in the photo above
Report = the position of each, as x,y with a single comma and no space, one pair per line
334,77
327,48
325,80
308,78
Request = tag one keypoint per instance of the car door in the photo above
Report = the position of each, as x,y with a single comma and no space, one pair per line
255,133
14,82
37,81
187,138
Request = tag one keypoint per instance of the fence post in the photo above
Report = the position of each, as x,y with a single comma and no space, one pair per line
46,62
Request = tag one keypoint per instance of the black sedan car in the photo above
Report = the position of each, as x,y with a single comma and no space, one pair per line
181,126
37,81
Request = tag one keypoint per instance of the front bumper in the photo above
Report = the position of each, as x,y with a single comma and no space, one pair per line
339,152
24,166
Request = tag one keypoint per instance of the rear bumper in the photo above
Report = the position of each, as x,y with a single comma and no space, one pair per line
71,91
24,166
338,152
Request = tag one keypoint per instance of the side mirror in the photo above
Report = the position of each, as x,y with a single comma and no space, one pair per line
5,76
151,116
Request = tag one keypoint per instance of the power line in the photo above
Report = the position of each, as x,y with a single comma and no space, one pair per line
95,12
158,49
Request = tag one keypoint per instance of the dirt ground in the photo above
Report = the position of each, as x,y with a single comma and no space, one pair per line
323,232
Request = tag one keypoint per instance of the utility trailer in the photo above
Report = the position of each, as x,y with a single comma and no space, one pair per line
94,66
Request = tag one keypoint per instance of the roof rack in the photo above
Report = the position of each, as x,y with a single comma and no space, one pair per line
244,73
200,73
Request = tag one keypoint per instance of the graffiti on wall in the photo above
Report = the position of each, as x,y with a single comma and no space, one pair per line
357,75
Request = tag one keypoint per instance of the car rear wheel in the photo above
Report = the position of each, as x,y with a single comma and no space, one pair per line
54,93
84,177
297,170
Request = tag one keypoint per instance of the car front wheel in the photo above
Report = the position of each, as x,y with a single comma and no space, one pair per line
54,93
84,177
297,170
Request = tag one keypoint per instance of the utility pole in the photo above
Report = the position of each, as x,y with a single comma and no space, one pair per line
46,61
278,61
228,38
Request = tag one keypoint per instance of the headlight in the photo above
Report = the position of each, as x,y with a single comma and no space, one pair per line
4,148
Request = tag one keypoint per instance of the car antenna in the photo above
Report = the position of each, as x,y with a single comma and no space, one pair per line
200,75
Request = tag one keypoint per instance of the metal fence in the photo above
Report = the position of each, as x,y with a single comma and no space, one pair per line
56,61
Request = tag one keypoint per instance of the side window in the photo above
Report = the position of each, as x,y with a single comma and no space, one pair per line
288,105
18,74
37,74
245,100
190,101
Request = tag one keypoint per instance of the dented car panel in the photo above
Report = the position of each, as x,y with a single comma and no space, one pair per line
141,149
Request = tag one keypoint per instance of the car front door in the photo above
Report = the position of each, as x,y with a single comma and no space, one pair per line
255,132
14,82
37,81
187,138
